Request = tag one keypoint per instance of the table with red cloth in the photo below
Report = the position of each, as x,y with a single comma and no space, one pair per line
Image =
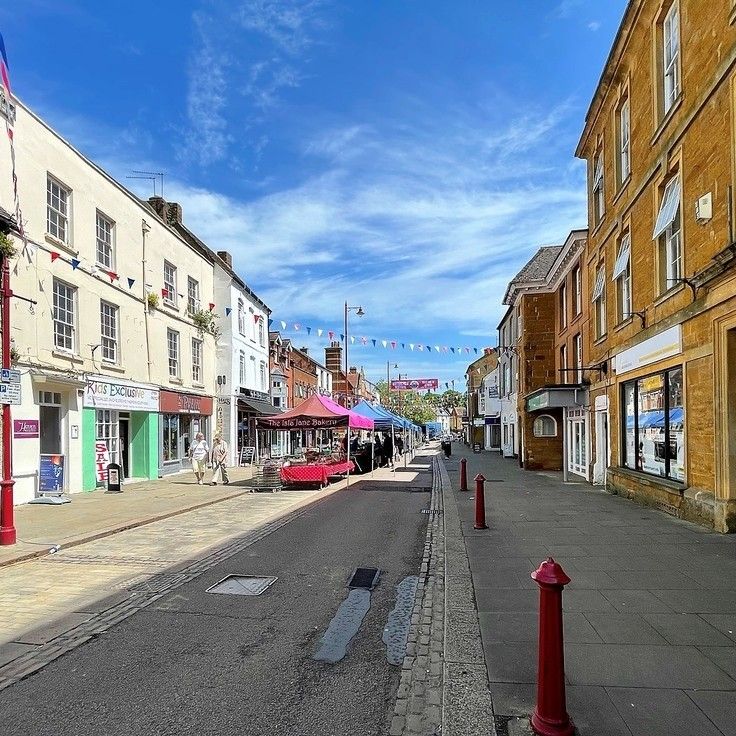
314,473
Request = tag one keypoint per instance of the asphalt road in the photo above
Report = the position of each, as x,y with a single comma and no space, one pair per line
199,663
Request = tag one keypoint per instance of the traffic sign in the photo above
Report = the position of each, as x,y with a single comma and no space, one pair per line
9,375
10,393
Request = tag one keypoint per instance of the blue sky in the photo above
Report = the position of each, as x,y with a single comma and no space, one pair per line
405,155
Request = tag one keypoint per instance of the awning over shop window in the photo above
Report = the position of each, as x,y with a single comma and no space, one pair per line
258,407
669,206
622,261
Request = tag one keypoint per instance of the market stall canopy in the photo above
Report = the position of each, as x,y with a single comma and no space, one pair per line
317,412
258,406
382,418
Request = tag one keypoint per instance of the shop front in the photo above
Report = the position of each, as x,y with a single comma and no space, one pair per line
119,425
182,416
250,406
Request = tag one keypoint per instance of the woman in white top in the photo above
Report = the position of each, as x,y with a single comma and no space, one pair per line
199,451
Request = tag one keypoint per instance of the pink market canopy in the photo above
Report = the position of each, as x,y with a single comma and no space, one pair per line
317,412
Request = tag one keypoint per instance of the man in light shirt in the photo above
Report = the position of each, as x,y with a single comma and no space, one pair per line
219,461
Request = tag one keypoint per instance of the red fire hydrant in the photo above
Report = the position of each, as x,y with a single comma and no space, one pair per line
480,503
463,474
550,717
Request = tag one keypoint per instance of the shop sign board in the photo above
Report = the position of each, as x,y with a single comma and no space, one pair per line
540,401
10,393
601,403
664,345
415,384
25,429
121,396
51,474
102,460
173,402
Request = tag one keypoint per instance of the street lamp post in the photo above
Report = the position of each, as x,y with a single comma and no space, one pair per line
359,311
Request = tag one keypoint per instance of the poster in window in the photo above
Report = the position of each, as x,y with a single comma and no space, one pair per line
102,460
51,474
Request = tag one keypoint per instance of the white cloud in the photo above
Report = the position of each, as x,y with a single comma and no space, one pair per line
594,25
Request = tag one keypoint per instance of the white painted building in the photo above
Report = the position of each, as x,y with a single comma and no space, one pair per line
243,373
442,417
508,381
324,380
489,404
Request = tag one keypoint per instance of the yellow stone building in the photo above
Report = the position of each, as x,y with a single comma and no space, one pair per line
660,144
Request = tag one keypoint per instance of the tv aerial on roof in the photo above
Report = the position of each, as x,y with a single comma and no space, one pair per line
157,177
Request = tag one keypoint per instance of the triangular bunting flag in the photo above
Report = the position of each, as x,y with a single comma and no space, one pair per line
270,322
283,325
164,293
437,348
319,332
330,334
374,342
384,343
393,344
297,327
467,350
352,339
411,346
452,350
476,350
75,263
228,311
112,275
130,282
309,330
364,340
54,255
211,306
403,346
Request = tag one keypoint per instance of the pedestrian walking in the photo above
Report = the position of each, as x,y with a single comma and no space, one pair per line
378,451
388,450
199,451
399,447
219,461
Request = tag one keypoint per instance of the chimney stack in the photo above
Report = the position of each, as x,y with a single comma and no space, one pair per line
225,255
170,212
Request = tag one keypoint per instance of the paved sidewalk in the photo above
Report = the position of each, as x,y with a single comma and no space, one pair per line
93,514
650,614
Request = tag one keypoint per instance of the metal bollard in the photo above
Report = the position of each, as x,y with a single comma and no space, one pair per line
480,503
550,717
463,474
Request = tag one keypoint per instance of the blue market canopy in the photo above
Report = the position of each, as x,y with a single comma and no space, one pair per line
382,418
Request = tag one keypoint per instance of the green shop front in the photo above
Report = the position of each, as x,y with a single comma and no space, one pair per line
120,424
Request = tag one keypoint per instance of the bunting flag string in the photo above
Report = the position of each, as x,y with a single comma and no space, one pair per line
228,311
130,282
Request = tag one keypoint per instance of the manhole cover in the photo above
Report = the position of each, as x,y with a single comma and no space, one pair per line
364,577
242,585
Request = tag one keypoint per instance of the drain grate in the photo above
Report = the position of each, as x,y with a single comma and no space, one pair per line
242,585
364,577
431,511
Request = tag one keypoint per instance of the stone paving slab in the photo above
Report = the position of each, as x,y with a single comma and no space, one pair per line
649,616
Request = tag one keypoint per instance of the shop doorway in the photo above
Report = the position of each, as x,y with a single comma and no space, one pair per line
577,459
124,443
601,448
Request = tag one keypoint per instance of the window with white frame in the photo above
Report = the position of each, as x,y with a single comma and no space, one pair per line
65,299
577,346
622,278
263,375
624,141
668,234
192,295
599,201
107,425
170,283
671,57
563,306
172,342
196,360
242,368
109,331
545,426
252,324
599,301
563,363
241,317
261,333
577,286
105,231
58,201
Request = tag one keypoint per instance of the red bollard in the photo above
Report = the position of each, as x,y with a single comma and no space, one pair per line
463,474
550,717
480,503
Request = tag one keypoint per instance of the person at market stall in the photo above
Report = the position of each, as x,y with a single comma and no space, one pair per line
378,451
388,450
199,451
219,460
344,443
399,447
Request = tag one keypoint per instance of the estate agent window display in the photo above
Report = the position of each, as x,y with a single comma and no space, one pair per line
654,425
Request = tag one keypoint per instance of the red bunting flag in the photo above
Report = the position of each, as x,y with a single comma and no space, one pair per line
112,275
165,293
212,306
393,344
330,334
54,255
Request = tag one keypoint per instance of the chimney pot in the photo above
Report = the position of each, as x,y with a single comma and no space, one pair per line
225,255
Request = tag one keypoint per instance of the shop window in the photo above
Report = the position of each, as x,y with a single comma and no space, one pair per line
170,437
107,430
545,426
654,425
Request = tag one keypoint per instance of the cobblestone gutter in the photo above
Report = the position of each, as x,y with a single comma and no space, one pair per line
467,705
418,709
